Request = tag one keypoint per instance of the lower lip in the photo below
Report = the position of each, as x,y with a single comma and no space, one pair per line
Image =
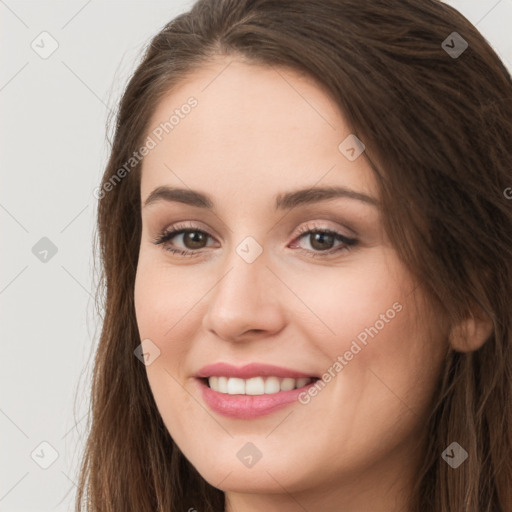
249,406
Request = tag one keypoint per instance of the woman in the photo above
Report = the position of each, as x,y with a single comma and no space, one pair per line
307,251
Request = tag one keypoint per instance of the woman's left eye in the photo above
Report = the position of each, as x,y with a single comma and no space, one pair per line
321,240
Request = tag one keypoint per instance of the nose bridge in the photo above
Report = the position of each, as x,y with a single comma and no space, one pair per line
241,299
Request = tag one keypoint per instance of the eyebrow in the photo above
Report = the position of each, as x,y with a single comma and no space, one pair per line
285,201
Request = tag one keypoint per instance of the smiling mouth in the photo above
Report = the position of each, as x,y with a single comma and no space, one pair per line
267,385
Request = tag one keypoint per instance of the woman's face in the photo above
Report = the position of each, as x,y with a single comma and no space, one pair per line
258,287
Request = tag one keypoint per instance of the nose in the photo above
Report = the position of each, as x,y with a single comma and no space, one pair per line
245,303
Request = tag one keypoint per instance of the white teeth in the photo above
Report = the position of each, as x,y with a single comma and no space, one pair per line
303,382
222,386
236,386
256,385
214,382
272,386
287,384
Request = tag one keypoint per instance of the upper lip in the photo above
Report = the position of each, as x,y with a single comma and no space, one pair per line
249,370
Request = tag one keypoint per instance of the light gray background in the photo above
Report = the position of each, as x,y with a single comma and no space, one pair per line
54,149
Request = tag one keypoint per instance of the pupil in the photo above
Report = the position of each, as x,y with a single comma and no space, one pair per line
322,237
195,238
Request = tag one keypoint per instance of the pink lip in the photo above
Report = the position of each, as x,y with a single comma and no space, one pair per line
248,406
248,371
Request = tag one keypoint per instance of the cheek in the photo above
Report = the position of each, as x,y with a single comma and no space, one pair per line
379,350
391,358
164,297
165,300
355,305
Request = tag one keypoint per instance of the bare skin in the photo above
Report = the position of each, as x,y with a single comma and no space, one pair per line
354,447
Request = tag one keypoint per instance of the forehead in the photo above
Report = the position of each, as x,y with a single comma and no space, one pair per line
252,127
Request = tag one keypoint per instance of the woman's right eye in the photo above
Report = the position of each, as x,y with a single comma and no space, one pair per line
192,238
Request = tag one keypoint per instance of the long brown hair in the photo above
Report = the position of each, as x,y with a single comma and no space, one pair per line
438,134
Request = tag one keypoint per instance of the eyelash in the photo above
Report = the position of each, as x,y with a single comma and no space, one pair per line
179,229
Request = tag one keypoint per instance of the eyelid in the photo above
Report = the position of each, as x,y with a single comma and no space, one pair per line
189,225
321,225
303,228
